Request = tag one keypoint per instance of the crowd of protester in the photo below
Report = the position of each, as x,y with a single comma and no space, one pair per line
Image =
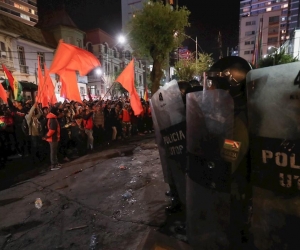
72,129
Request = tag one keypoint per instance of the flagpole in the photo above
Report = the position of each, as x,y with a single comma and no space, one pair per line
109,89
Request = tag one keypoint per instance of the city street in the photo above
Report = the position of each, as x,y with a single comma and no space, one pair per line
115,195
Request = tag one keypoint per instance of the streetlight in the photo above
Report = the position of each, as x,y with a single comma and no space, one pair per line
121,39
99,71
271,51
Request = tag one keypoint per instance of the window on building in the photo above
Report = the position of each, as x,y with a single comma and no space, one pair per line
128,55
249,33
250,23
272,40
9,54
78,43
116,69
247,52
41,55
284,6
22,61
140,80
3,50
25,17
273,30
82,90
93,90
273,19
247,42
90,47
269,9
283,31
283,18
21,55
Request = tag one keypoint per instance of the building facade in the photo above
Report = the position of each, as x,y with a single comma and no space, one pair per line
269,24
128,9
21,10
279,20
20,46
113,58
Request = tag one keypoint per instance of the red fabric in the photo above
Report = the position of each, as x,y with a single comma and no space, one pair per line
126,117
50,87
63,90
67,60
88,124
126,78
68,77
9,76
52,134
3,94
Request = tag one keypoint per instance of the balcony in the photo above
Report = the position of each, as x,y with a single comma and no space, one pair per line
8,63
24,69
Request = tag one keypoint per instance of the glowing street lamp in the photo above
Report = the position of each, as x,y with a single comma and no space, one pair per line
121,39
98,71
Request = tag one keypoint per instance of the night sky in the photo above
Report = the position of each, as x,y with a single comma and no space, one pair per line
207,19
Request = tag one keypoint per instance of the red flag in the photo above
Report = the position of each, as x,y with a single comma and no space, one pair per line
126,78
41,83
9,76
72,92
63,89
3,94
50,87
67,60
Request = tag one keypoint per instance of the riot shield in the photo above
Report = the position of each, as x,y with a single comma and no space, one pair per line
160,145
170,130
274,108
218,149
210,122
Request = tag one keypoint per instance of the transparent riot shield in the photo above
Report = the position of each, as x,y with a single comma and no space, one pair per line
160,145
210,117
274,123
170,130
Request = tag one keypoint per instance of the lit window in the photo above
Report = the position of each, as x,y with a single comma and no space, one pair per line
269,3
282,38
283,31
283,18
25,17
269,9
285,5
287,37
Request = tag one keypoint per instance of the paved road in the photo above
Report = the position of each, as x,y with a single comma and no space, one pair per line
116,194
